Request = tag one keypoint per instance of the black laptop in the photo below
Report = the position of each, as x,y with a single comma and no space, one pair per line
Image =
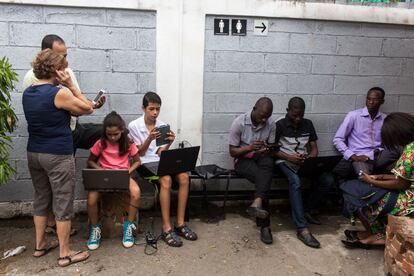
174,161
317,165
105,180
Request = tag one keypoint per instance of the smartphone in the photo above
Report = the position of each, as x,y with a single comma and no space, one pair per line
272,146
163,130
100,93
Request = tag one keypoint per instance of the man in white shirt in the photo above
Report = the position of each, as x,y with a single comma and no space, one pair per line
84,135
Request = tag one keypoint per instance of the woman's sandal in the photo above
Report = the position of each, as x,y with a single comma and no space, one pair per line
49,247
351,234
70,259
358,244
171,238
52,230
185,232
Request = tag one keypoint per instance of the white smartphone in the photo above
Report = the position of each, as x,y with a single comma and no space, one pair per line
100,93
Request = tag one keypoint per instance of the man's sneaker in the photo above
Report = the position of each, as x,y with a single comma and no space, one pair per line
94,237
128,239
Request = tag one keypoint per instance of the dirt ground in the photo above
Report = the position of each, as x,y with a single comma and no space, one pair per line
226,247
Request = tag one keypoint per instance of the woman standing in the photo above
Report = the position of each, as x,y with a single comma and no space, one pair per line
47,108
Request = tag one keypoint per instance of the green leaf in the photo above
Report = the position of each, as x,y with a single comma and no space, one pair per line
8,117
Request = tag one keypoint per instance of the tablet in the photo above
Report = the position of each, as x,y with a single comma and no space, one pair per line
163,130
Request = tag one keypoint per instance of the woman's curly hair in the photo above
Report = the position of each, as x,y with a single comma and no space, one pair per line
46,63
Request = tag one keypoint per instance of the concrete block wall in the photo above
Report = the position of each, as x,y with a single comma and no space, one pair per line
331,65
107,48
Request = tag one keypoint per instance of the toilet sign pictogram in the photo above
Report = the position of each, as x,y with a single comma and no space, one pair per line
238,26
221,26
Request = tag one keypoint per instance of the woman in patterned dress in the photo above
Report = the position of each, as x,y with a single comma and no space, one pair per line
397,131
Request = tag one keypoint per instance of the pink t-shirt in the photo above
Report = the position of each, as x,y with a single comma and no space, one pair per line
109,157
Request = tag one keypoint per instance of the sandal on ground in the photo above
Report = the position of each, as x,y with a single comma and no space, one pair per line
71,259
351,234
185,232
52,230
49,247
171,238
360,244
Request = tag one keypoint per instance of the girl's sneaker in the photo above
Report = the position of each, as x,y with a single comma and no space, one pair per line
94,240
128,239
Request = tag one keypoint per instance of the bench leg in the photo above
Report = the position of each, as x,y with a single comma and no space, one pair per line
187,209
205,199
187,214
226,192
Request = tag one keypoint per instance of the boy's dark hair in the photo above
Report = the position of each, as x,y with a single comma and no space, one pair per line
377,89
397,130
113,119
47,41
150,97
296,103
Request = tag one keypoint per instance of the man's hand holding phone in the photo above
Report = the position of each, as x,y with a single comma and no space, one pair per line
257,145
99,99
296,158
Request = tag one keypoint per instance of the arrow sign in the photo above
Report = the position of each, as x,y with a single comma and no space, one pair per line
260,27
263,27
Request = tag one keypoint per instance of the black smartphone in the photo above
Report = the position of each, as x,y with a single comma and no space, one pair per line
163,130
274,146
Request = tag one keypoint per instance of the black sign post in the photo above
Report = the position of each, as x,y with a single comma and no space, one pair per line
221,26
238,26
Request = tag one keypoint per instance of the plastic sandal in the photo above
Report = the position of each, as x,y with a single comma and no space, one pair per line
171,238
71,260
52,245
185,232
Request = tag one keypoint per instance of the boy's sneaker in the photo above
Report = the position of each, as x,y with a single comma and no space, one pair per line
94,237
128,239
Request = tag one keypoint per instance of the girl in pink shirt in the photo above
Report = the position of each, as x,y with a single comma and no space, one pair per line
113,151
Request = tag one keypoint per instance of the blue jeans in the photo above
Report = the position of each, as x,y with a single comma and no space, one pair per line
325,183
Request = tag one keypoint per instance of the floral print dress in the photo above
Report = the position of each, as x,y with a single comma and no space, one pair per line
404,169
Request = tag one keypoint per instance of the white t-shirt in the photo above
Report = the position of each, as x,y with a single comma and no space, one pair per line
139,133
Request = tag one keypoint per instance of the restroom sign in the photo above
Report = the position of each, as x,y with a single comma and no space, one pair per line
261,27
238,26
221,26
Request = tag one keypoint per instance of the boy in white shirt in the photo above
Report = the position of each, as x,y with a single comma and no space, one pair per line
144,133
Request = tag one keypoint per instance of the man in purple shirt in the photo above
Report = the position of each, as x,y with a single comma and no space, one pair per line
358,138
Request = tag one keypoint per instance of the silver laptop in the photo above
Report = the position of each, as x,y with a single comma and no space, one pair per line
105,180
